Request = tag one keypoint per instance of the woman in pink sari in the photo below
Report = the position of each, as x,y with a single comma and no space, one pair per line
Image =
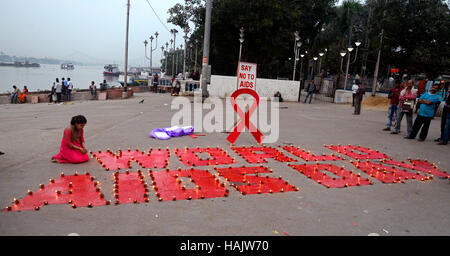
73,149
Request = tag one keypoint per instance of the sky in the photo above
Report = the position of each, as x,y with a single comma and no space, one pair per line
91,31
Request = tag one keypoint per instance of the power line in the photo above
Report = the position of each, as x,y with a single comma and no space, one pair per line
157,16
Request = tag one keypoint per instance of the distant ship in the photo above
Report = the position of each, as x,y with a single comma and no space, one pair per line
19,64
68,66
111,70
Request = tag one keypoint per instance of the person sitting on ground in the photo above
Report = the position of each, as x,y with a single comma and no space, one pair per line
426,113
278,95
394,95
23,96
73,149
15,95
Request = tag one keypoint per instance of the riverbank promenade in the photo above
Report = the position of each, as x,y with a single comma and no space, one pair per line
31,134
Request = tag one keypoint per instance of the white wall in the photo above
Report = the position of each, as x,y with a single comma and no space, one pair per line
224,86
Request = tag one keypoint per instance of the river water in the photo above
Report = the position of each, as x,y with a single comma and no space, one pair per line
42,78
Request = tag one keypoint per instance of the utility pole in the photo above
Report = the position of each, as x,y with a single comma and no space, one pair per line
375,73
207,34
174,32
125,94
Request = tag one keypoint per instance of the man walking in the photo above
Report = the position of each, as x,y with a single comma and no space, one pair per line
394,95
311,89
406,106
426,113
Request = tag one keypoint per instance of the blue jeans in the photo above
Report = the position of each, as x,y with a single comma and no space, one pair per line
447,129
309,94
68,95
392,113
14,98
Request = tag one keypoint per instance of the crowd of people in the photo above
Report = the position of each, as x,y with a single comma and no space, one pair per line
405,100
61,91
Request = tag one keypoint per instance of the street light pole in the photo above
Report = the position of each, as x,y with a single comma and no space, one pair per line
165,56
301,77
375,73
350,49
241,41
174,32
206,48
151,51
126,53
320,61
186,31
297,45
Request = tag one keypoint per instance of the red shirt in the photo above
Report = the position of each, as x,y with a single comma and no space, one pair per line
395,96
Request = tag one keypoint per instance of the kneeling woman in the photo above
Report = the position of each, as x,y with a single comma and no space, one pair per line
72,148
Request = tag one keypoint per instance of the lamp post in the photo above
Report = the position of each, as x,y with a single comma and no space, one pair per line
186,31
350,49
125,93
241,41
297,45
315,59
165,58
320,61
163,55
151,50
176,61
195,66
174,32
301,77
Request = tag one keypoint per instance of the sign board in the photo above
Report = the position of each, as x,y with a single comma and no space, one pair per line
246,76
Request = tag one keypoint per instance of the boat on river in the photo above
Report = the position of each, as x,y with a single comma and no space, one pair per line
111,70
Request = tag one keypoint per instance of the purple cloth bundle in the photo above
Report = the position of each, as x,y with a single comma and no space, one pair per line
174,131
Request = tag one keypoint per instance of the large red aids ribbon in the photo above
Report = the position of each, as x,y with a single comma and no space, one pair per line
245,118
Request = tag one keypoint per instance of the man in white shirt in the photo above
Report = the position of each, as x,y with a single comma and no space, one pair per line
354,89
69,89
58,90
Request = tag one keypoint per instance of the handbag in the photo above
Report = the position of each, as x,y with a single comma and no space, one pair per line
407,107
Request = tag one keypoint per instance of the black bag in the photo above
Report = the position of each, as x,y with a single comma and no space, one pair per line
407,108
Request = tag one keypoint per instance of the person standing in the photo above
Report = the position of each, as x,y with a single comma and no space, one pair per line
311,89
58,90
425,114
93,90
420,91
155,83
444,112
354,89
63,89
445,133
359,95
406,106
69,89
394,95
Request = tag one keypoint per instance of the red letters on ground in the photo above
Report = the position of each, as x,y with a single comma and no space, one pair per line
420,165
122,160
387,174
76,190
189,156
251,156
170,186
317,173
350,151
307,156
130,187
247,184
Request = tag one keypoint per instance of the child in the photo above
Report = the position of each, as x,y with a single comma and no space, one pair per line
73,149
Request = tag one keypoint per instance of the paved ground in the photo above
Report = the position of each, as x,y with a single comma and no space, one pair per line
31,134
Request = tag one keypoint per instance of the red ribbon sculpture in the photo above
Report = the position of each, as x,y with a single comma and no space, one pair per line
245,118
